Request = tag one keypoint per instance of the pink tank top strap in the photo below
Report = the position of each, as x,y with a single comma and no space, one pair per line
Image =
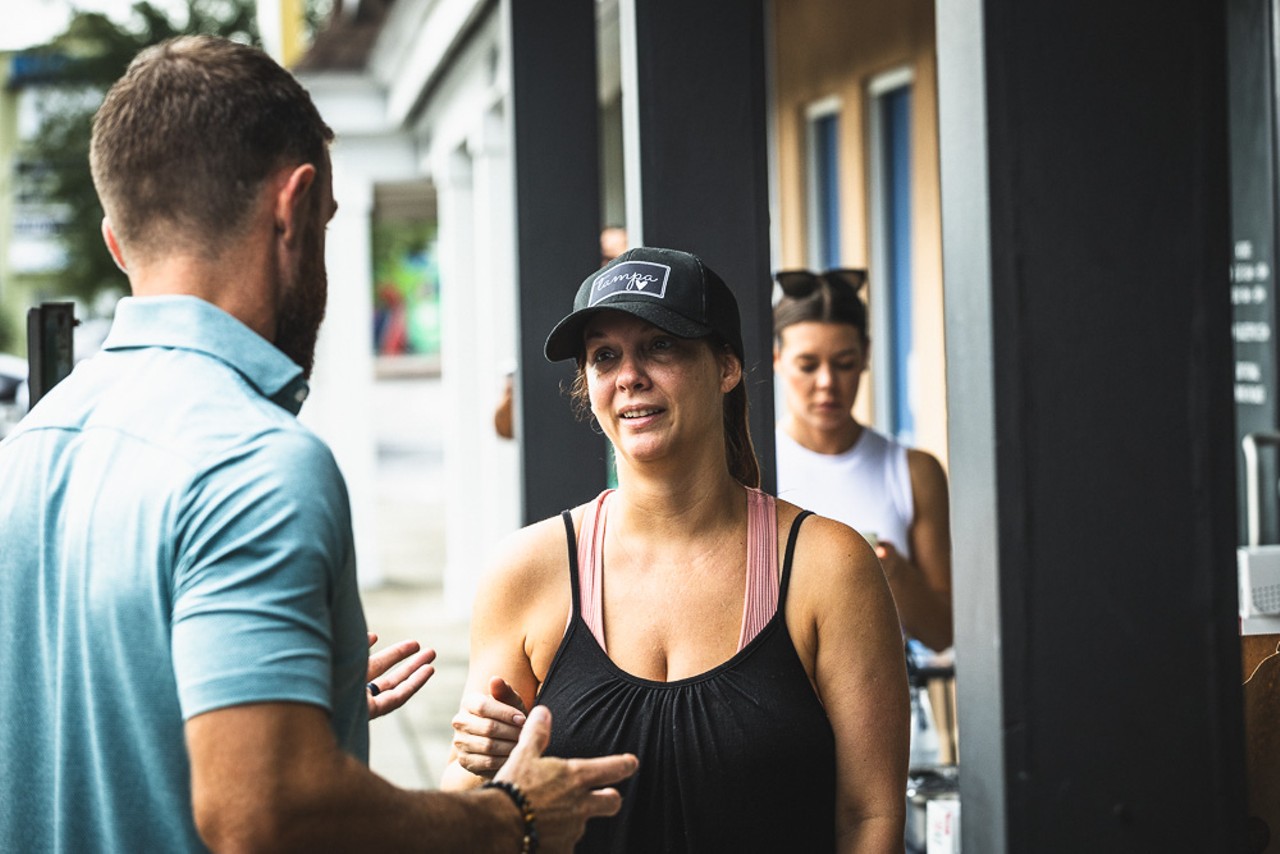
760,601
590,566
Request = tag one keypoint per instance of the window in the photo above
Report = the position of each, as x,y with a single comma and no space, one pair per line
889,292
823,168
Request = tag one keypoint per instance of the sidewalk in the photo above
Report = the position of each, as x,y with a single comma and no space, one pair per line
410,747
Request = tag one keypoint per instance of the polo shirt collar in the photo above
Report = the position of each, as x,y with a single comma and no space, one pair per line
190,323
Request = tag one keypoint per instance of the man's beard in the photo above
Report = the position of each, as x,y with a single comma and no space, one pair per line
302,305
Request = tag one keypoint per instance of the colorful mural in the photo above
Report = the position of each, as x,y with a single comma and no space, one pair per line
406,288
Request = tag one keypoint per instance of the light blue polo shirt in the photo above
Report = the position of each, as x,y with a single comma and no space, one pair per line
172,541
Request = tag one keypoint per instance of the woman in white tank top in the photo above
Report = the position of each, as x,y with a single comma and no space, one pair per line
829,463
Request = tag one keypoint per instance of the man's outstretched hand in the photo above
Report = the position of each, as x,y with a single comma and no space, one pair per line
397,673
564,793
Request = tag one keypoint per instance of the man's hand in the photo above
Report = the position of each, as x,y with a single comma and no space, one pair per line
397,672
487,727
563,793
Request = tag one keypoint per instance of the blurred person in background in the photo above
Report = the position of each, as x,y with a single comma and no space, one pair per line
894,496
613,242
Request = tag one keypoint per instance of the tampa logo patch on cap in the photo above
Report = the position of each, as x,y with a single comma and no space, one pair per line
635,277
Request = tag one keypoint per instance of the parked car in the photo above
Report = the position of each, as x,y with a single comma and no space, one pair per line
13,391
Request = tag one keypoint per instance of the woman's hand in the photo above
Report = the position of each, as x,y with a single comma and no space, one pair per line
487,727
895,566
396,673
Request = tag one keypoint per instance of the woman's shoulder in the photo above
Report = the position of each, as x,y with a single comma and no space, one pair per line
530,560
541,534
928,479
918,458
831,547
836,580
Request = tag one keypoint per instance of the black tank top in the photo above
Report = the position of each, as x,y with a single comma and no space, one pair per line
740,758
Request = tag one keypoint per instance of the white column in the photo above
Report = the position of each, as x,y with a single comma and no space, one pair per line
477,295
458,279
493,464
631,121
341,402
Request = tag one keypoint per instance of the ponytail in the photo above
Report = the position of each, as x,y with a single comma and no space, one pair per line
739,451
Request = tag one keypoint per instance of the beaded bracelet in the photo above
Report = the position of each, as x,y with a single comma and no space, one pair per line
529,844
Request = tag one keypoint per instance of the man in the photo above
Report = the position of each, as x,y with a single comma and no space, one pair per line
184,660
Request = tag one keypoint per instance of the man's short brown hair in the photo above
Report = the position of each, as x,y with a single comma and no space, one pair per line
187,136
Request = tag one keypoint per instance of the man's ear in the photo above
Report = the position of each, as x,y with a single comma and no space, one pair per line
292,197
113,245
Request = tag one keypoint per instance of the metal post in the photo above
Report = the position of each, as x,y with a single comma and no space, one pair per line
1252,480
50,346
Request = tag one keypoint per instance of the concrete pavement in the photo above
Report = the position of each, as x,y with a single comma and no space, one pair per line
411,746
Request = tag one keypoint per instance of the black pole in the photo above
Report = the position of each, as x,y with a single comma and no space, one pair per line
1086,218
703,174
555,116
50,346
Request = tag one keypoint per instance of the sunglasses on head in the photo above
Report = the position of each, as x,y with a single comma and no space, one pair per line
798,284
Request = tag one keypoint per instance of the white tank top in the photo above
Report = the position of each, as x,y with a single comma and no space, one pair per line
868,487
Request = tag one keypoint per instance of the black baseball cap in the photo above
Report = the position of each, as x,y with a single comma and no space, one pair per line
671,289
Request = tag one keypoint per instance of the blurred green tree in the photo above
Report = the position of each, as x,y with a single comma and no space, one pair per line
80,65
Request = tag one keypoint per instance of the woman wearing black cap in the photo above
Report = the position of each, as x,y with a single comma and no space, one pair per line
749,654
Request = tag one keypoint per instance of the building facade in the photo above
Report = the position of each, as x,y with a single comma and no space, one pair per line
1067,176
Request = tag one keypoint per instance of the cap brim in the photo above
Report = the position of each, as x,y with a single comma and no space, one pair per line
565,341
